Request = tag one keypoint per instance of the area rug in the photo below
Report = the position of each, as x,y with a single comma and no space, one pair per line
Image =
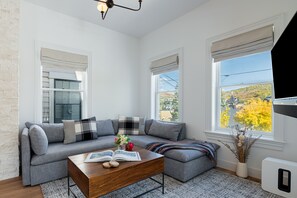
211,184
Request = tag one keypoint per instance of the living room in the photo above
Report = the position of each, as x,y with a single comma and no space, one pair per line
119,78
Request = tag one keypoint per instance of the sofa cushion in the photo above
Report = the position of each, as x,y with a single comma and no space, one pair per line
148,124
181,136
54,132
175,154
143,140
166,130
131,125
60,151
183,155
38,139
84,129
115,124
104,127
187,155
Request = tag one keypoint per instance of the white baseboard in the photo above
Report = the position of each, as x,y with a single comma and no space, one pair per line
252,172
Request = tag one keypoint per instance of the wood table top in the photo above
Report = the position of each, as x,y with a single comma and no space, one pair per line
93,169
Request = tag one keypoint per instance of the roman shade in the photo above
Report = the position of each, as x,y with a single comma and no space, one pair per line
257,40
55,59
166,64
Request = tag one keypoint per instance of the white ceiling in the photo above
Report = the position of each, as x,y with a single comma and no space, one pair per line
154,13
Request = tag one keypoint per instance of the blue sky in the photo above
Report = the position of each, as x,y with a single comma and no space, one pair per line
249,69
168,81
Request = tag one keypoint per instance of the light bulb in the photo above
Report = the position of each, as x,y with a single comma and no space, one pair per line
102,7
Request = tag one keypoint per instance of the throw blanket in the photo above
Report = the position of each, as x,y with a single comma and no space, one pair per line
205,147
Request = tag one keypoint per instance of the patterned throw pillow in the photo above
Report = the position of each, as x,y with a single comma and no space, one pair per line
80,130
85,129
131,125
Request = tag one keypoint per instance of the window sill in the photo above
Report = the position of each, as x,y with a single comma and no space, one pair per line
263,142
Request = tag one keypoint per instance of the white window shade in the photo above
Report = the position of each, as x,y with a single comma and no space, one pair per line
166,64
55,59
254,41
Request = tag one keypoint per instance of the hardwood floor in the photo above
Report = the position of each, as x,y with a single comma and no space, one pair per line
233,173
13,188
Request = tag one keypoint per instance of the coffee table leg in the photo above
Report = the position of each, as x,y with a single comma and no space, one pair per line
162,183
68,186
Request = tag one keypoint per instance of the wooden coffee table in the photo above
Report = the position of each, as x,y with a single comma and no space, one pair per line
94,180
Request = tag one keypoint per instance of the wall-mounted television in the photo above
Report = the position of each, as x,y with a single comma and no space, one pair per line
284,65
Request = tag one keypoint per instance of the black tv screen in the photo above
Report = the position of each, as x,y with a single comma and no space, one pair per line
284,62
284,65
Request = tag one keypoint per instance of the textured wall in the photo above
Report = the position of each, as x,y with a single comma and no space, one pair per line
9,108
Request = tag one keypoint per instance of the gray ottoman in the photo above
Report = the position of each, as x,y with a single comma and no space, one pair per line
183,165
180,164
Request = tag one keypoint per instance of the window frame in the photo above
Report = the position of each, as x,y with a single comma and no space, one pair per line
38,89
218,101
52,97
276,141
154,84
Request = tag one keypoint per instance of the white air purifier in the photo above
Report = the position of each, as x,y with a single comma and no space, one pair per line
279,177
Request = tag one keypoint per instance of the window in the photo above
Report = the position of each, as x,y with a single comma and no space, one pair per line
245,90
63,86
62,96
67,104
165,94
244,81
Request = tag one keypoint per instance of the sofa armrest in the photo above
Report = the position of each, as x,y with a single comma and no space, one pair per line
25,156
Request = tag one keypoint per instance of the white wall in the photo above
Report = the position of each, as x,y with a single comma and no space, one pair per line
114,60
191,33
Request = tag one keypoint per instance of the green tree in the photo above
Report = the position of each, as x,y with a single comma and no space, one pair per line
174,109
169,102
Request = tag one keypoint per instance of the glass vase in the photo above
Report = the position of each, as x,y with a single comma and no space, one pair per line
121,147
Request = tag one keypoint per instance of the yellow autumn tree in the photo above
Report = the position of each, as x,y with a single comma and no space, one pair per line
255,113
225,117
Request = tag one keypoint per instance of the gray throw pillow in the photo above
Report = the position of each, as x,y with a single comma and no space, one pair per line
69,131
104,127
166,130
38,139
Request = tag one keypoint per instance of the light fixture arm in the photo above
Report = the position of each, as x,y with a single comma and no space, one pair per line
140,1
110,4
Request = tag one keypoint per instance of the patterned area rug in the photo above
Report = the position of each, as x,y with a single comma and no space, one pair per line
211,184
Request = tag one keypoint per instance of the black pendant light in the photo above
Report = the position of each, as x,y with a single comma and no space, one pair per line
105,5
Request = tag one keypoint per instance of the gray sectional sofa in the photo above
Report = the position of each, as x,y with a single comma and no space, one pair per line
180,164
